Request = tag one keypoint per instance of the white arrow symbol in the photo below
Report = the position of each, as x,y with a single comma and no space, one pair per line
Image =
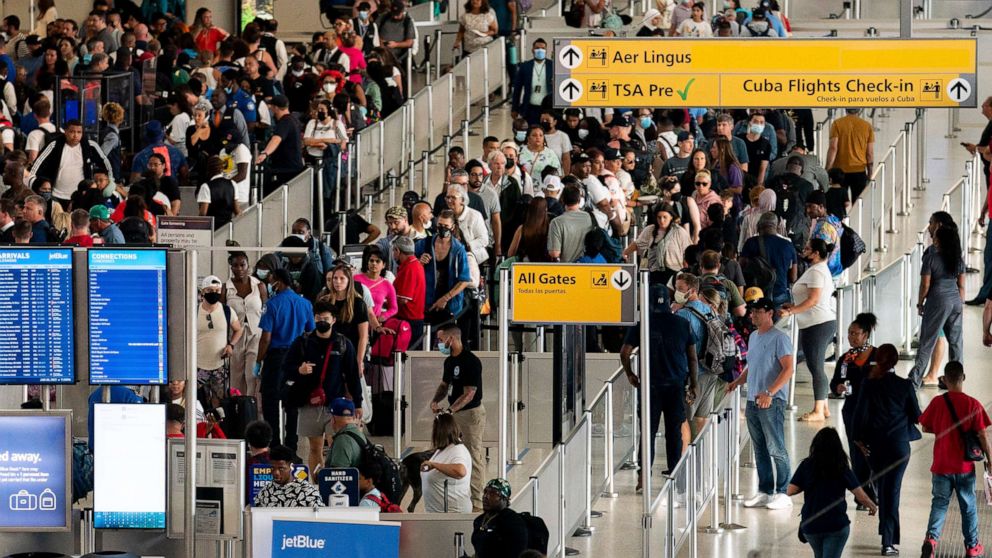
570,90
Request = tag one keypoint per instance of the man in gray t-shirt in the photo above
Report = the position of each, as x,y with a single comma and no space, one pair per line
397,31
567,232
769,367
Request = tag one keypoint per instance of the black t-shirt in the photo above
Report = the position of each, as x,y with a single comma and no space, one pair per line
288,156
360,315
836,200
825,504
464,370
757,151
984,142
502,536
354,227
675,166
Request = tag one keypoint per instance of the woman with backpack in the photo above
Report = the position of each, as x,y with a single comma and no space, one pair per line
662,243
941,299
447,476
817,319
825,477
852,369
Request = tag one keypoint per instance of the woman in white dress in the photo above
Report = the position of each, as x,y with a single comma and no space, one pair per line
447,475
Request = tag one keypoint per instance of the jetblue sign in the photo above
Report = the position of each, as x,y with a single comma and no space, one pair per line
333,539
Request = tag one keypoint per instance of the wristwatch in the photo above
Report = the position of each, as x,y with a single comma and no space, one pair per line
768,393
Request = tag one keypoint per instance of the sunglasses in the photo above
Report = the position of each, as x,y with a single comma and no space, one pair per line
702,183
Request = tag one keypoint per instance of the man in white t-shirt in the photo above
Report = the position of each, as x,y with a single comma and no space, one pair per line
241,174
36,139
597,196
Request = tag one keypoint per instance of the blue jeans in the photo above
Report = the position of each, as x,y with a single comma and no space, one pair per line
986,289
767,429
964,485
829,545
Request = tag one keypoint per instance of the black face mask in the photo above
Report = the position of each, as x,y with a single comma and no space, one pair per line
510,163
321,115
322,327
677,197
443,232
211,297
546,126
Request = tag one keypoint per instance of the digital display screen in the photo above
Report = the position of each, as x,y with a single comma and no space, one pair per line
127,314
129,466
34,471
36,316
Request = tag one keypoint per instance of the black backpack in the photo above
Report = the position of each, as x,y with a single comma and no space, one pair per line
758,270
611,249
766,33
391,483
851,247
537,533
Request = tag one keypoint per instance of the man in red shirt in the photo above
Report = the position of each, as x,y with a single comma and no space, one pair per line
80,234
951,471
411,287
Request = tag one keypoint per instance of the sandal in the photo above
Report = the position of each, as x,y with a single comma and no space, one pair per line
812,417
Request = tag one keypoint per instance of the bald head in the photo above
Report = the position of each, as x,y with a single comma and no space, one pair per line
141,32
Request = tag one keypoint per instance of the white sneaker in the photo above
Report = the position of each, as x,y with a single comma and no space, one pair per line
779,502
759,500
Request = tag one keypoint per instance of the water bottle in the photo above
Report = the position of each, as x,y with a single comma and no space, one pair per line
511,51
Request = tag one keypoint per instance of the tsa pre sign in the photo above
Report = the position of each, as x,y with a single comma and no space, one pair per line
573,294
307,539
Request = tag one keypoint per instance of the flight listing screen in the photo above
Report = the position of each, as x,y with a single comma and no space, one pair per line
127,314
36,316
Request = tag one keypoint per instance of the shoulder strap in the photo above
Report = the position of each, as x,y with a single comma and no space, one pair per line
761,246
327,358
954,415
358,439
705,320
227,318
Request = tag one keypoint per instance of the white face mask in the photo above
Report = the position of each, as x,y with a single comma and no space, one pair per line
583,133
330,87
297,73
681,297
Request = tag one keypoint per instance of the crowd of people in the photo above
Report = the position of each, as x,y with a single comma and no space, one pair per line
739,222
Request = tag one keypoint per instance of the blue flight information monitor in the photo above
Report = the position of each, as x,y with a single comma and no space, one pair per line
127,311
36,316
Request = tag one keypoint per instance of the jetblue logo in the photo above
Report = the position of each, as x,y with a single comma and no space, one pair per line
302,541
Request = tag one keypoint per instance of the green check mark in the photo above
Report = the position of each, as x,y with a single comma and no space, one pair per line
685,92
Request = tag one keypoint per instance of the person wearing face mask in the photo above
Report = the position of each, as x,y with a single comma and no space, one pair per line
323,138
759,149
556,140
461,384
300,85
446,270
287,315
239,99
218,331
320,367
246,295
364,26
532,83
307,277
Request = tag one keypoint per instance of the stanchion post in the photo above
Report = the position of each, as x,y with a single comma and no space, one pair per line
841,320
644,368
485,92
714,467
907,170
921,151
504,372
610,491
398,371
514,458
424,176
795,358
189,494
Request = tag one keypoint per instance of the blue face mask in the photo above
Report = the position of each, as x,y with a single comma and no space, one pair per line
443,348
646,122
363,15
756,129
227,90
520,136
540,53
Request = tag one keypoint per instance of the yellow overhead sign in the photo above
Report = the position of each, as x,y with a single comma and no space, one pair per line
759,73
573,294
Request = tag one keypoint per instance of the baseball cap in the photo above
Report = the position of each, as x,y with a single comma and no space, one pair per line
817,197
761,304
581,158
342,407
396,212
752,294
796,160
685,136
611,154
210,281
620,120
100,212
279,101
552,183
758,13
510,144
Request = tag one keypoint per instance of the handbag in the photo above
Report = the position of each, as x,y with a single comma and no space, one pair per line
972,448
575,14
318,396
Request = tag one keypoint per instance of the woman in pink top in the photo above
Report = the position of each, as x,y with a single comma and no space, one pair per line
704,195
384,304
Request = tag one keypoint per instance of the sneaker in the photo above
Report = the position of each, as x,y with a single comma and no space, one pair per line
977,550
890,551
759,500
779,502
929,548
